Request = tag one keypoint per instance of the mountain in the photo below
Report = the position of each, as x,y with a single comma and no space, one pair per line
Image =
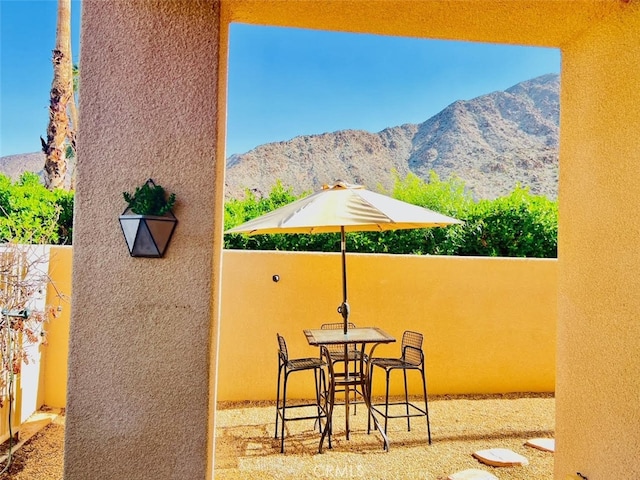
15,165
491,142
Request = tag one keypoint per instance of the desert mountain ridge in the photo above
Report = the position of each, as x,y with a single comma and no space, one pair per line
492,143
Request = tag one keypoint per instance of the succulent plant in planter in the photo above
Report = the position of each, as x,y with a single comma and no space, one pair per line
149,199
148,221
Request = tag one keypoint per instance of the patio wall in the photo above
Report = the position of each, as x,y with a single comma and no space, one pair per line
57,349
43,381
489,323
154,104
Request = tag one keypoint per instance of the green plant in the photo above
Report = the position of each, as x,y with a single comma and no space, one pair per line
149,199
517,225
30,213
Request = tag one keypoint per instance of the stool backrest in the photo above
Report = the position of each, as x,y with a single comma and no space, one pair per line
412,347
282,348
338,326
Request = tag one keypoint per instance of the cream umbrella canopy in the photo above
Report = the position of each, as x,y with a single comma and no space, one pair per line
342,208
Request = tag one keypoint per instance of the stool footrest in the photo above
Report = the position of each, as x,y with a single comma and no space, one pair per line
421,411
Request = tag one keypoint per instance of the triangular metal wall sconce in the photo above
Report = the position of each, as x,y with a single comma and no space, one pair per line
147,235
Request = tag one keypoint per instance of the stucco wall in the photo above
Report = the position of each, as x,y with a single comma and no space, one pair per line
56,352
151,98
598,392
489,323
140,353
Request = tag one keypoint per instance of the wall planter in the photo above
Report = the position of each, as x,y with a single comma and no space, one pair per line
148,222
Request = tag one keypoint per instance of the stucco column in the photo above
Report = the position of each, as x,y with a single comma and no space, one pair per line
140,388
598,377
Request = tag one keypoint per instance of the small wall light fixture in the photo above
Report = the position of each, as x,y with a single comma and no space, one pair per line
148,222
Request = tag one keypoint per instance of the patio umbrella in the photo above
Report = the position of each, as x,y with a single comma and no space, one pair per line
344,207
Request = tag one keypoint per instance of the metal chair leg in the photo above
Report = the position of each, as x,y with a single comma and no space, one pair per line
386,404
278,401
284,411
406,400
426,405
319,410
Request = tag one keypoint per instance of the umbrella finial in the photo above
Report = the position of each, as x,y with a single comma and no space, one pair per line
341,184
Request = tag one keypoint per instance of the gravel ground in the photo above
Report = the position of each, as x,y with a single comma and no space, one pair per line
40,458
246,449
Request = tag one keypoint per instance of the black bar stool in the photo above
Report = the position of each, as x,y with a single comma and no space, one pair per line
337,382
355,355
288,366
412,358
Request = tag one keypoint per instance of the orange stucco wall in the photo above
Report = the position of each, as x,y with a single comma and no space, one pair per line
56,352
152,105
598,406
489,323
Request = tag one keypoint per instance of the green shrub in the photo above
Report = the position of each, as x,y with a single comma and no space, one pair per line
30,214
517,225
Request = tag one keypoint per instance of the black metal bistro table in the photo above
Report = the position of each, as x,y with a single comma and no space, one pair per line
354,336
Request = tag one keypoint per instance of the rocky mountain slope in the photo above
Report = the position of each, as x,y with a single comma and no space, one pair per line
491,142
14,165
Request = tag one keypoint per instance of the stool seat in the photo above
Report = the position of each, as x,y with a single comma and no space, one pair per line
304,363
391,363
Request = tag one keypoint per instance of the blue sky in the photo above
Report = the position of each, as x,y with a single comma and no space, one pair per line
282,82
27,38
289,82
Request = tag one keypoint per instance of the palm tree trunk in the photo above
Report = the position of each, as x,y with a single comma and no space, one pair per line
61,92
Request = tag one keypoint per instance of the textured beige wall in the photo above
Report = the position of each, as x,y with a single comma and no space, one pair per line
598,391
489,323
148,108
139,359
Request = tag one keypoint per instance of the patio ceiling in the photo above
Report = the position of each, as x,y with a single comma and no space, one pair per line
500,21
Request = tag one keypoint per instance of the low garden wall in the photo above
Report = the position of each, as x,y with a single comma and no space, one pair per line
489,323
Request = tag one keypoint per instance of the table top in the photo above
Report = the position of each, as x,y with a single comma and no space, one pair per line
354,335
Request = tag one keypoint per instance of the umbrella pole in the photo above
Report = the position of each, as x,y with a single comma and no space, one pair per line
344,308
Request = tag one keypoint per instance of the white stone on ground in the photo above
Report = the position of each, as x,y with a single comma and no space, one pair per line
472,474
500,457
545,444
